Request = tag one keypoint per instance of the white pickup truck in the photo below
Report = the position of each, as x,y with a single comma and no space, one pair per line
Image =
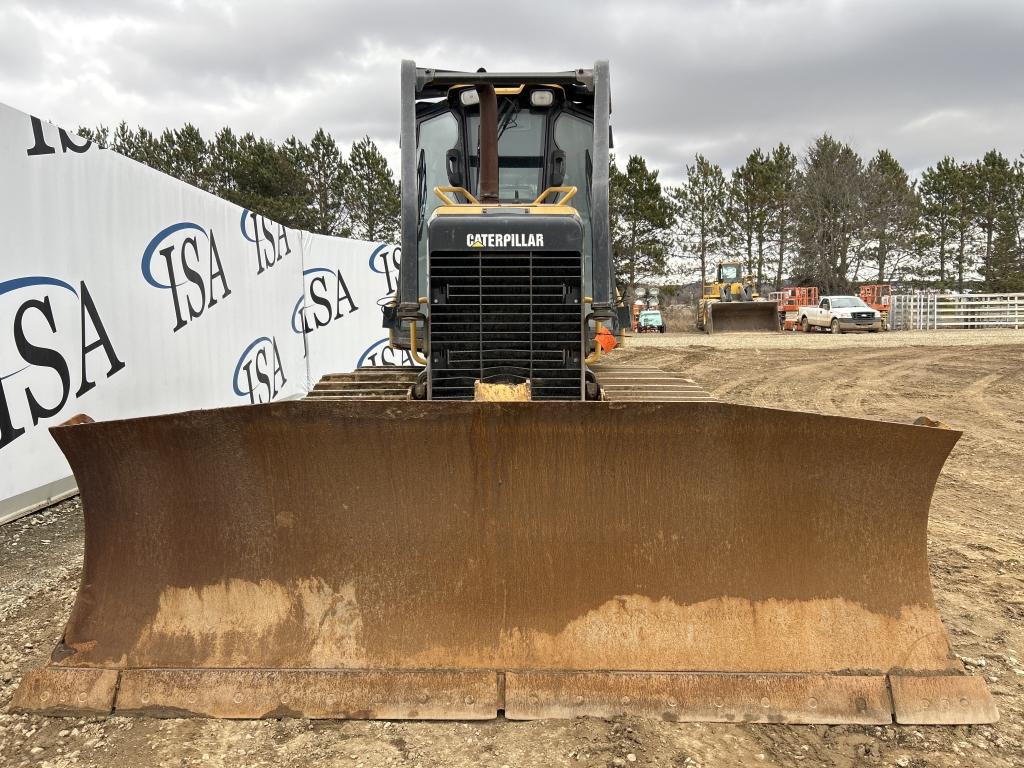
840,314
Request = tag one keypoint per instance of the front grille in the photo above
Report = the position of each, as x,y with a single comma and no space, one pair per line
863,315
504,318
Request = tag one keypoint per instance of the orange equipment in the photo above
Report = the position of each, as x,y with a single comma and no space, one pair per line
877,296
606,339
790,300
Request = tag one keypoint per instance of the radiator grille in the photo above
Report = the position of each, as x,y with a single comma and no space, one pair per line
506,317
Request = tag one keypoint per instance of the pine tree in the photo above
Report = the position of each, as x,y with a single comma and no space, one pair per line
830,203
938,213
269,181
891,213
750,197
993,191
223,163
1003,268
642,215
784,182
100,135
369,194
964,210
324,169
190,159
700,211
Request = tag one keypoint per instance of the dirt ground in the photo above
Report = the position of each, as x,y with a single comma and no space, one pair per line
970,380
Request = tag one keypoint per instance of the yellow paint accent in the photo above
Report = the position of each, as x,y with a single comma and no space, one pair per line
474,207
596,354
413,352
507,90
441,193
469,210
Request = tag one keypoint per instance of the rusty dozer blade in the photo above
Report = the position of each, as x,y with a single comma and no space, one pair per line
728,316
456,560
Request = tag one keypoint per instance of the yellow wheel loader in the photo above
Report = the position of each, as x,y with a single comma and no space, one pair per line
401,545
732,303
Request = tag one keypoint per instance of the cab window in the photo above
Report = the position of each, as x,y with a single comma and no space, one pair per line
728,272
520,152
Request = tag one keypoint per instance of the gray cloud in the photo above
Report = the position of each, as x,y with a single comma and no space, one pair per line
923,78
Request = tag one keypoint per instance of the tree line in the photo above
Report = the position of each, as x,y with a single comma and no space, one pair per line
827,218
312,186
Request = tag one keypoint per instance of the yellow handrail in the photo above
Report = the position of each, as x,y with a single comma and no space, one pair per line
440,192
569,192
596,354
413,352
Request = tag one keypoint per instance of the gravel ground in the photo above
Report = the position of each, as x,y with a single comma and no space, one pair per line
970,380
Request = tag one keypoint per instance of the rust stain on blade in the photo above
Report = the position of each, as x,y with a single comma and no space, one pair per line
411,535
728,634
942,700
315,694
826,699
226,618
56,691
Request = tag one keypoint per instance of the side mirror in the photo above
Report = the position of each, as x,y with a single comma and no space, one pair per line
557,168
453,165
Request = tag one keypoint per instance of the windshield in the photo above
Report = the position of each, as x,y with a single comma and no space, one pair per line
520,152
728,272
655,316
845,302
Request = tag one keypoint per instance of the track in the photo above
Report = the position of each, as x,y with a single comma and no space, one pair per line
619,383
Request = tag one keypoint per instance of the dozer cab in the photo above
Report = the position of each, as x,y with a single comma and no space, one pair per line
732,303
437,554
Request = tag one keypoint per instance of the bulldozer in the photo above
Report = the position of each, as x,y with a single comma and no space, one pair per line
434,542
732,303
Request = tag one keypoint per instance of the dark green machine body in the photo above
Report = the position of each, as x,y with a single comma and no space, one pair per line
504,290
506,304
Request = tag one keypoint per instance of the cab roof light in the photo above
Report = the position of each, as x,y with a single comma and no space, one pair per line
543,98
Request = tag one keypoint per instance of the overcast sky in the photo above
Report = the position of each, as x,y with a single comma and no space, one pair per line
923,78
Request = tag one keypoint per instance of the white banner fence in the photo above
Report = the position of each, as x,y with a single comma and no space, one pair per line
934,311
124,292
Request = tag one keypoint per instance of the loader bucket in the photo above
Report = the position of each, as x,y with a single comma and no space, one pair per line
726,316
459,560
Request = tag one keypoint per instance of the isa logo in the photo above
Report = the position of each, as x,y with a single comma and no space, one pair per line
259,372
183,260
379,354
326,299
269,239
54,348
385,260
40,146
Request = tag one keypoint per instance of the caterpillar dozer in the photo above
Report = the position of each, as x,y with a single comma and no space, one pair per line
436,541
732,303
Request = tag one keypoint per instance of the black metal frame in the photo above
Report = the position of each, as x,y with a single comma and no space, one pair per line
580,84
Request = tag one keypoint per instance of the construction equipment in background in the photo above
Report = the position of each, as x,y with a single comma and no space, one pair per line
789,301
650,321
356,555
731,303
877,296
